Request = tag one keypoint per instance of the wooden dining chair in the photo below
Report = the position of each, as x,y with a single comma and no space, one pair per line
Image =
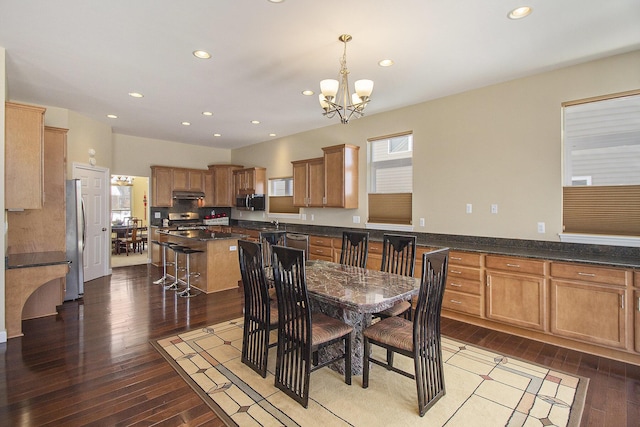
260,316
130,240
269,239
418,339
398,257
355,248
302,333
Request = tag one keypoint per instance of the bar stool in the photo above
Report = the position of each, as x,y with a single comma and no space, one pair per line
176,248
187,251
165,245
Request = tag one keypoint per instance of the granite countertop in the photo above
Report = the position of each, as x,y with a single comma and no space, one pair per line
603,255
35,259
203,235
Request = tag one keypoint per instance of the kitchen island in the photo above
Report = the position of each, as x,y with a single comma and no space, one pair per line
217,265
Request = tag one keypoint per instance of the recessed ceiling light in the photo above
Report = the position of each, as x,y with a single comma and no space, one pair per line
307,92
112,116
520,12
136,95
186,123
386,63
207,113
272,134
216,134
276,1
255,122
201,54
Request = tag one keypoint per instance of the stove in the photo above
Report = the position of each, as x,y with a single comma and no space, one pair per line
186,221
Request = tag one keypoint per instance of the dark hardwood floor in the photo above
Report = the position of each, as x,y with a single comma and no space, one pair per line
92,364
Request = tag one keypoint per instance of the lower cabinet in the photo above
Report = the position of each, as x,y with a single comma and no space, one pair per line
636,317
515,294
591,313
321,247
463,291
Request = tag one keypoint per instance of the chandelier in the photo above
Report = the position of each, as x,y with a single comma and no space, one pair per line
121,180
336,97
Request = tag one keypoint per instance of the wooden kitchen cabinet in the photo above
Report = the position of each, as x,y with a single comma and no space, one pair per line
341,176
250,181
516,291
464,288
308,182
588,304
161,186
223,193
187,179
321,247
23,166
636,318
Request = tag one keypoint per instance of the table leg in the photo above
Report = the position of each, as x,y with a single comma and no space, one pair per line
359,321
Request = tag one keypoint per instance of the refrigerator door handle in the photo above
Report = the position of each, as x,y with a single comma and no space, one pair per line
84,223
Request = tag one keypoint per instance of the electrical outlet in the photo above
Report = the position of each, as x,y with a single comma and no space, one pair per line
494,209
469,208
541,227
356,219
312,217
421,222
304,217
157,215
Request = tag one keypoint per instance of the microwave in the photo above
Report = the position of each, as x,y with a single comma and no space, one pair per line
250,202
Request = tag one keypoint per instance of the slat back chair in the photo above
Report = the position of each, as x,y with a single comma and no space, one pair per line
355,248
269,239
419,339
399,257
260,317
301,333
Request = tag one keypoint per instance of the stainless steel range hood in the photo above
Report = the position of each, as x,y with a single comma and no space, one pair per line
188,195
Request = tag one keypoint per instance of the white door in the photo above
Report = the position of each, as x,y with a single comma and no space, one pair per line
94,182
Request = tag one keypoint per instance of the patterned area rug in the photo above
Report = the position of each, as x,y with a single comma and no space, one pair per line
482,388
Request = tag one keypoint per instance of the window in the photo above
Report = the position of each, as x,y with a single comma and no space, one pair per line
601,193
120,203
390,182
281,196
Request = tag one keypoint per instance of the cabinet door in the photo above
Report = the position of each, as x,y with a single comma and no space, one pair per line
515,299
341,176
180,179
588,312
23,150
636,317
209,197
316,190
162,187
300,184
224,195
196,180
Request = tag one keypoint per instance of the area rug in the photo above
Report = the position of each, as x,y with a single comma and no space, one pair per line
483,388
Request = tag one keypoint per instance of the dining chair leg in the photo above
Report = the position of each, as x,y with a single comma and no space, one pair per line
366,363
389,358
347,359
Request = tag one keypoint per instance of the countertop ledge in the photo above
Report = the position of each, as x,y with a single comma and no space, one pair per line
35,259
597,255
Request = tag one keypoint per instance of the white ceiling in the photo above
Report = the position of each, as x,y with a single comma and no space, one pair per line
86,56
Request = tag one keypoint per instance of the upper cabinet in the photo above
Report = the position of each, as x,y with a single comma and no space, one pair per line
221,191
250,181
330,181
188,179
341,176
24,135
161,186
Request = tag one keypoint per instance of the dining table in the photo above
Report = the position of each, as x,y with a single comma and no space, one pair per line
353,294
120,231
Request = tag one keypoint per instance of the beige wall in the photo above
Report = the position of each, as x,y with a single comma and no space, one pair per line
3,249
140,188
495,145
134,155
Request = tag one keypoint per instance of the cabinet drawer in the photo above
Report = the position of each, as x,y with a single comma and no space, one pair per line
320,241
320,256
636,279
321,250
455,272
588,273
518,265
465,258
375,247
465,303
463,285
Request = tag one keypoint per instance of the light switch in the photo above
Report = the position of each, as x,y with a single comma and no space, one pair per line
421,222
494,209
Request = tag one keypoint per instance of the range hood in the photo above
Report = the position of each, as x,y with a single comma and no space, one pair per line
188,195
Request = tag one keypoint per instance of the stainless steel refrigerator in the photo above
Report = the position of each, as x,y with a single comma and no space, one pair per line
75,240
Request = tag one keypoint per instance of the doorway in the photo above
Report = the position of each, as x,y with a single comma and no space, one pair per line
129,201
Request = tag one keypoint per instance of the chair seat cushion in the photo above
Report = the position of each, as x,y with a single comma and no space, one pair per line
397,309
394,331
325,328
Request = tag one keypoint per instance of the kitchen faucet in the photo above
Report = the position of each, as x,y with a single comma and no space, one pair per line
276,223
